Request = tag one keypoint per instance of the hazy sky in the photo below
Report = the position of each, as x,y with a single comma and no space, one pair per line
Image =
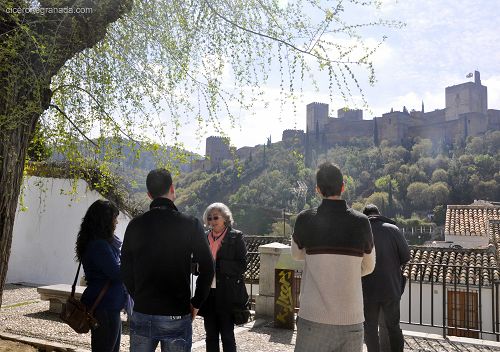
443,41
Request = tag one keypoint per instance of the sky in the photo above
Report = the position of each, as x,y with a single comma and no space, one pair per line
442,42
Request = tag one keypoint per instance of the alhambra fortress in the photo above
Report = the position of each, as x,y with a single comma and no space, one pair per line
465,114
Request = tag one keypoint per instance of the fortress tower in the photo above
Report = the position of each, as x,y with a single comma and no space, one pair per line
350,114
317,116
217,150
469,97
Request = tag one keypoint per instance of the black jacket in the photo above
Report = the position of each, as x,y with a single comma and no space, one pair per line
230,266
392,252
157,250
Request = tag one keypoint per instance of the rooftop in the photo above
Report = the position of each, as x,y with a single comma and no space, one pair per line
470,220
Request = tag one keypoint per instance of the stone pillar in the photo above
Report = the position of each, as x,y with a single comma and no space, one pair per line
270,255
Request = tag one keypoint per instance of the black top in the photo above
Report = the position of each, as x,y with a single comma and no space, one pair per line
157,251
230,266
333,228
392,251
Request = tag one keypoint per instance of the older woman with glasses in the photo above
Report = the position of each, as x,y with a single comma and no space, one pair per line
229,253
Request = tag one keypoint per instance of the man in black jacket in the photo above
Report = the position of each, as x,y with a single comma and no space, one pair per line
157,252
382,289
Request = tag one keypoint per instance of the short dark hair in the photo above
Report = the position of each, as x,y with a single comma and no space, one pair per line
329,179
371,209
158,182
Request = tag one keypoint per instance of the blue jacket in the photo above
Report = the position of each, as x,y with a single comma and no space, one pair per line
101,262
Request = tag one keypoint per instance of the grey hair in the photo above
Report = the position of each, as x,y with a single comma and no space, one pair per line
224,210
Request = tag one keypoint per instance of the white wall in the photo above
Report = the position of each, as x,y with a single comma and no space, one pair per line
437,305
43,243
469,241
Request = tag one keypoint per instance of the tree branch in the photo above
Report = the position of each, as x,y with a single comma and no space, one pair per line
286,43
99,105
73,124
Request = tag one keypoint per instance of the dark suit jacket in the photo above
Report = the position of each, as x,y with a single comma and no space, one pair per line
392,251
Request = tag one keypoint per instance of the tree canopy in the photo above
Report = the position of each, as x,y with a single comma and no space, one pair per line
89,70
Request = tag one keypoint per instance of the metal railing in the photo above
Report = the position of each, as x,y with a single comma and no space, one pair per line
453,299
448,300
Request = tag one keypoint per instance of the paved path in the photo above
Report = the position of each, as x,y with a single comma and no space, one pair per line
25,316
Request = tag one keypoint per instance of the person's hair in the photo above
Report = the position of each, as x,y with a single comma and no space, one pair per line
329,179
371,209
224,211
158,182
96,224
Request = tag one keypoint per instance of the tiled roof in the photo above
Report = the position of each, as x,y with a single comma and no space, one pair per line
462,265
253,259
470,220
494,229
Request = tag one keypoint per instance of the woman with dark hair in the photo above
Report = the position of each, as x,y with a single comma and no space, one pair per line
99,251
229,253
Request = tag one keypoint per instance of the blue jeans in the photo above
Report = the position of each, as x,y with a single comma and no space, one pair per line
173,332
106,337
317,337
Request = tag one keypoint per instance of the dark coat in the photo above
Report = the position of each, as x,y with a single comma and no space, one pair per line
230,266
156,260
392,251
101,263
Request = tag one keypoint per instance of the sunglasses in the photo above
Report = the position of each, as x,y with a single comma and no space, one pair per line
215,218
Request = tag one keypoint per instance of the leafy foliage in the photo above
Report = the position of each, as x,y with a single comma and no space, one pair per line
414,187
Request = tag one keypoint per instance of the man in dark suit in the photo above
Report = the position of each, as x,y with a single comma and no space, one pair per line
382,289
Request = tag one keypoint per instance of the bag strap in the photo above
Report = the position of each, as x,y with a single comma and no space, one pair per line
101,294
73,287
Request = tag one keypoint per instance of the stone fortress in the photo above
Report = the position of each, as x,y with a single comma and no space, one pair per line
466,114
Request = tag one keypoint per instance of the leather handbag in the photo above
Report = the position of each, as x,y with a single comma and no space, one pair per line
75,313
241,312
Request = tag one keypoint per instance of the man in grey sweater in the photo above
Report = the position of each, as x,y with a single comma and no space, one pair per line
336,244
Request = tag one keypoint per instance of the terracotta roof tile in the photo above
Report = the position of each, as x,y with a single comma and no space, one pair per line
470,220
459,266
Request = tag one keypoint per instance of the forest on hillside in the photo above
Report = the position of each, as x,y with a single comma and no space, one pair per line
267,190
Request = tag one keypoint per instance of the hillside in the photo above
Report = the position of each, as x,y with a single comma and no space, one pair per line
419,181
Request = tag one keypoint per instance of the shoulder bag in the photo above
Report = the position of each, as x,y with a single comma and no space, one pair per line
75,313
241,312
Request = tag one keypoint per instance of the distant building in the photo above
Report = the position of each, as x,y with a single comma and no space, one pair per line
458,277
466,114
216,151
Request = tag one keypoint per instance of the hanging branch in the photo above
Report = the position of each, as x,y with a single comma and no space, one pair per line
73,124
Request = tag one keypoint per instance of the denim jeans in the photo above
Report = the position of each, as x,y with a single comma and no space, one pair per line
173,332
106,337
317,337
391,315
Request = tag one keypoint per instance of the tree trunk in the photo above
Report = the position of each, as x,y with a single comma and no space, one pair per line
12,156
29,58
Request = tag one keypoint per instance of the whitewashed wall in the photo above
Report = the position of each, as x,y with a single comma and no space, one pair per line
422,298
44,235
